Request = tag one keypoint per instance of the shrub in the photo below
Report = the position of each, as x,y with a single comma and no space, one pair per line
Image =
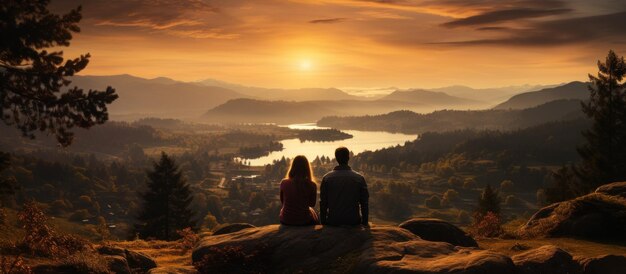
433,202
487,225
235,259
40,238
13,265
188,238
209,221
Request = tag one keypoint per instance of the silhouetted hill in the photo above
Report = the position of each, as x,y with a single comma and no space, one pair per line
428,98
259,111
573,90
490,95
302,94
159,97
445,120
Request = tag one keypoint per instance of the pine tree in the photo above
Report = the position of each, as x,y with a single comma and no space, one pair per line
167,203
604,154
35,94
489,201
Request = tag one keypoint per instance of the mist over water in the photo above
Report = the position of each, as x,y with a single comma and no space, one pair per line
362,141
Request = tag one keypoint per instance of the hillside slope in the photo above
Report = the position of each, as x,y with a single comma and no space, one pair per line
260,111
159,97
573,90
426,97
410,122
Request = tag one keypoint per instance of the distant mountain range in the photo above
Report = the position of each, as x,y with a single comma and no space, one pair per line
573,90
426,97
159,97
273,94
216,101
489,94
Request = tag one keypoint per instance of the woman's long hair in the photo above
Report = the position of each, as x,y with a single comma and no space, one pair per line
300,170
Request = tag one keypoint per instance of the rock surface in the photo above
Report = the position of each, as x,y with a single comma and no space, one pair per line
379,249
173,270
614,189
607,264
437,230
137,261
232,228
547,259
594,216
117,264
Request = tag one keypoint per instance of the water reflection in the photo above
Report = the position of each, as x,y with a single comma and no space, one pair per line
362,141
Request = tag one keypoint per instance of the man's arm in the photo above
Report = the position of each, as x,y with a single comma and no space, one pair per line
323,201
364,202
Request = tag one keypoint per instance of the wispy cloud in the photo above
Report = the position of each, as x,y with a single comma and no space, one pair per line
499,16
328,20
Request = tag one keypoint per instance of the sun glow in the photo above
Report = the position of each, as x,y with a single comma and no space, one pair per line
305,65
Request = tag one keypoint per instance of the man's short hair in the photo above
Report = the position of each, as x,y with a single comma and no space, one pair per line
342,155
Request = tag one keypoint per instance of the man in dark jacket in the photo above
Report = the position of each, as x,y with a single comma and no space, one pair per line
342,193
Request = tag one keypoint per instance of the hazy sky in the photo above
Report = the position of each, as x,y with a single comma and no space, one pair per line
350,43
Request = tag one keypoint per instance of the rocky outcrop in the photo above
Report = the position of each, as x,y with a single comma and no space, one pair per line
547,259
232,228
437,230
136,261
607,264
614,189
379,249
600,215
117,264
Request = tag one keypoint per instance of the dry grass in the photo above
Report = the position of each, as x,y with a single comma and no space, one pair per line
163,252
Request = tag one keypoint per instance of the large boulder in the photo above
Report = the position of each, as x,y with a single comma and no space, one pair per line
438,231
230,228
137,261
379,249
547,259
607,264
117,264
595,216
614,189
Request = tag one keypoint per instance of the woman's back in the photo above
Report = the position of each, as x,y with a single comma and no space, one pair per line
297,195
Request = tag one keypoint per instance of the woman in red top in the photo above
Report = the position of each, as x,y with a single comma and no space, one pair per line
298,194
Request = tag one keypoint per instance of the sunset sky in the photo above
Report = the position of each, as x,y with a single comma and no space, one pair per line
350,43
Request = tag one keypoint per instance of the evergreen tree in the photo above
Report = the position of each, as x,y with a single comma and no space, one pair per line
34,89
167,203
489,201
604,154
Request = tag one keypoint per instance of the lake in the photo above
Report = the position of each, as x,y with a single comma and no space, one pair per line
362,141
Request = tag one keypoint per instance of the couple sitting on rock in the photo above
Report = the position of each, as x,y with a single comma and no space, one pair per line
343,193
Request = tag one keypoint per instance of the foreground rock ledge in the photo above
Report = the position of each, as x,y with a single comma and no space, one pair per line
596,216
379,249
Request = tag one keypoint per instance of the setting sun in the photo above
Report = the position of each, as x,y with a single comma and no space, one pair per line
305,65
